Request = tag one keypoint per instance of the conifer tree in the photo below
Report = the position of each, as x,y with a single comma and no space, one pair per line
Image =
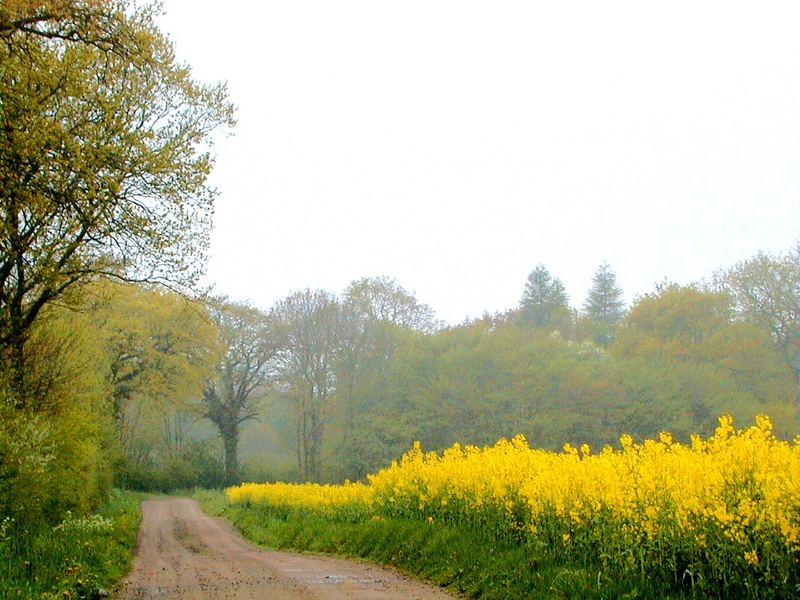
604,302
604,305
544,298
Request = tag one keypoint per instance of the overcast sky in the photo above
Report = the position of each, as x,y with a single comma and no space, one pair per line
454,145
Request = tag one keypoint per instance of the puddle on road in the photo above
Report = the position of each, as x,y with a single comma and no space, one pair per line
337,578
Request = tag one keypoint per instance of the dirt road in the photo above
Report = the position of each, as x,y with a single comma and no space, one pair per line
184,553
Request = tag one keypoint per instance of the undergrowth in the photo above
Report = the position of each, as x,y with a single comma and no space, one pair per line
74,559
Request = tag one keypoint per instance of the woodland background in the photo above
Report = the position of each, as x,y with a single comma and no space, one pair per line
116,369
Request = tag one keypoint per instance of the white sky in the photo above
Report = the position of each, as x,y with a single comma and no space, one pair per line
454,145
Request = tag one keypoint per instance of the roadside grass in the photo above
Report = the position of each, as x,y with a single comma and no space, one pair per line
74,559
465,561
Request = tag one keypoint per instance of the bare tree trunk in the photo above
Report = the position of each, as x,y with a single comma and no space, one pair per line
230,441
300,441
314,443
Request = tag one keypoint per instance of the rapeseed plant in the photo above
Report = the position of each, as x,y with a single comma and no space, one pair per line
718,511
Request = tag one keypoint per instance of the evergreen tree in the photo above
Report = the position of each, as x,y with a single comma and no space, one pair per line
544,299
604,306
604,301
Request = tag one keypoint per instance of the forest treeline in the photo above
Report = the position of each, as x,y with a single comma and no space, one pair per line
675,360
356,378
114,369
166,384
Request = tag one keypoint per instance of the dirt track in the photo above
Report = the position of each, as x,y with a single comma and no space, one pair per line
183,553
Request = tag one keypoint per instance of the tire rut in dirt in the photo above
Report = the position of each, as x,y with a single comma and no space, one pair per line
182,553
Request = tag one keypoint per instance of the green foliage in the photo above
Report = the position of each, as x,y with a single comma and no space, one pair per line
604,307
27,450
56,452
72,559
544,301
115,382
199,463
713,362
766,291
104,154
678,359
155,345
50,465
103,159
239,382
675,323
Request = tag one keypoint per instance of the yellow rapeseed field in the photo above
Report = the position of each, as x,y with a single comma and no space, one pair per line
307,495
707,509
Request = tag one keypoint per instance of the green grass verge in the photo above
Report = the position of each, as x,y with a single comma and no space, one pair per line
465,561
73,560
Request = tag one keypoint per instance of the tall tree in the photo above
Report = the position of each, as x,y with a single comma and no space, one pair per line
103,157
604,305
372,299
309,327
766,291
374,313
231,397
544,301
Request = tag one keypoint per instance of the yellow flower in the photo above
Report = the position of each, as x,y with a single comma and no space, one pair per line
740,484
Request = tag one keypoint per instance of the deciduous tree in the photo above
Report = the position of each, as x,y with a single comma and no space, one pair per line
375,313
382,299
232,395
159,345
103,157
766,291
309,327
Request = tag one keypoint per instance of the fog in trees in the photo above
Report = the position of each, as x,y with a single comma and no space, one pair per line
116,369
309,330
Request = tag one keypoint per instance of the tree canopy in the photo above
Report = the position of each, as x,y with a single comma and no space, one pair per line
383,299
766,291
104,143
233,390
